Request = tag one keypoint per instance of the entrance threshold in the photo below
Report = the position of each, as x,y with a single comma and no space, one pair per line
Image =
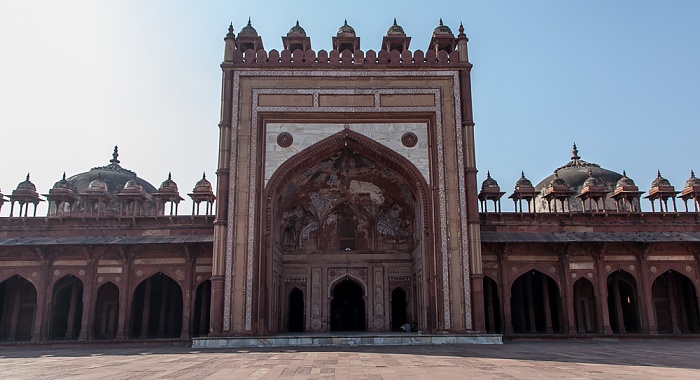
345,339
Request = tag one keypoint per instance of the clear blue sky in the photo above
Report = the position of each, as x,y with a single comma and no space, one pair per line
620,79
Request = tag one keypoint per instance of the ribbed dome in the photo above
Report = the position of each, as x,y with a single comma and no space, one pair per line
26,185
297,30
625,181
488,182
442,29
522,182
346,29
692,181
168,184
660,181
248,29
395,29
591,180
203,186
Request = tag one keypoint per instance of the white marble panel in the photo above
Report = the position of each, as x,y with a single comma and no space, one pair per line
308,134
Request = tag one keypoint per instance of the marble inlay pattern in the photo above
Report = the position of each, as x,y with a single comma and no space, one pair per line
253,163
308,134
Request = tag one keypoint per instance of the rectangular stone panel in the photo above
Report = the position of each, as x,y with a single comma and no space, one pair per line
588,265
108,262
671,258
620,258
202,268
533,258
173,260
69,262
407,100
327,100
19,263
109,270
298,100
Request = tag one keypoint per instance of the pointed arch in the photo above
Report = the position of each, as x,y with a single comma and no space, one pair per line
623,302
535,304
17,308
276,200
675,303
157,308
202,306
106,311
492,306
348,309
399,308
585,306
67,310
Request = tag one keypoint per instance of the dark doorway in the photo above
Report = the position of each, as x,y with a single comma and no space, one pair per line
399,309
17,309
157,308
584,306
347,307
535,304
296,310
492,306
106,311
675,304
622,303
202,301
67,311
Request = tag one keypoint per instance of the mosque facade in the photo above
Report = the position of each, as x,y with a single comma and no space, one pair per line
347,200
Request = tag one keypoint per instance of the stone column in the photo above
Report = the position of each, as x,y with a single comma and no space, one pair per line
645,308
124,297
568,297
146,309
602,312
71,310
88,315
505,293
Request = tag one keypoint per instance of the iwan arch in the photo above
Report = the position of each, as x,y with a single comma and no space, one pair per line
346,185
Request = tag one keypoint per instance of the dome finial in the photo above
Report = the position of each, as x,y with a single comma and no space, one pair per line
441,21
574,153
27,176
395,24
64,176
115,155
204,175
488,174
692,173
658,173
170,176
249,21
624,173
522,174
297,22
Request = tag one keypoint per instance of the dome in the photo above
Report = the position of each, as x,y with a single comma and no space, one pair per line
298,30
522,182
98,184
113,176
692,181
625,181
489,182
248,30
557,181
132,183
346,29
26,185
62,183
394,29
168,184
442,29
203,186
577,171
591,180
660,181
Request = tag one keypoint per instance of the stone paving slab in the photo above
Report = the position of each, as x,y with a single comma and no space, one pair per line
650,359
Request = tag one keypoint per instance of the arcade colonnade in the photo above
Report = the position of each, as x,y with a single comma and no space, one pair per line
141,297
602,294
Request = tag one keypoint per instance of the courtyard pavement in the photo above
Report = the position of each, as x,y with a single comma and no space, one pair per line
652,359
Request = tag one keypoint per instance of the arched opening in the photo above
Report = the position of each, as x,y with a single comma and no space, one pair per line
535,304
347,307
399,309
202,303
296,310
17,309
67,310
623,303
492,306
584,306
675,304
106,311
157,308
347,197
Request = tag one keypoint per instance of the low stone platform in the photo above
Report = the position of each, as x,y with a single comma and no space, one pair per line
346,339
